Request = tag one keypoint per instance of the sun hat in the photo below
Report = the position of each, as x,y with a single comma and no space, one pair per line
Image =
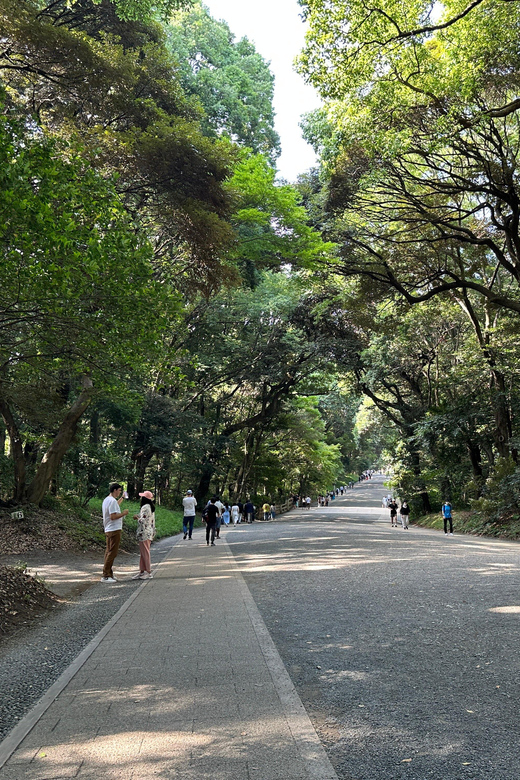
147,494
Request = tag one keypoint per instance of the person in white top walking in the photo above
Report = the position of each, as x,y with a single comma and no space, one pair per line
113,525
220,506
189,502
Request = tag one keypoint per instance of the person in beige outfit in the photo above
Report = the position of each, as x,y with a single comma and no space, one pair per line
145,533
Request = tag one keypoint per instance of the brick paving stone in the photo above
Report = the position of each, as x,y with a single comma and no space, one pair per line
181,686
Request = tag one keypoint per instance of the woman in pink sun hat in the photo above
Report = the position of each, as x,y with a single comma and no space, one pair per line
145,534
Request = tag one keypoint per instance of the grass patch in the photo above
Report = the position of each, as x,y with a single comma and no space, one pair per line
466,522
167,521
83,529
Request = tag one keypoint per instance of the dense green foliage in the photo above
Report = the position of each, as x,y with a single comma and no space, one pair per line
173,317
145,335
167,522
419,139
231,80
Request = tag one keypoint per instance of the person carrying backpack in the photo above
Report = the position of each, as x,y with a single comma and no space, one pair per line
211,512
446,516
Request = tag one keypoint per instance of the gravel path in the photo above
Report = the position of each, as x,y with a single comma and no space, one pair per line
402,644
33,659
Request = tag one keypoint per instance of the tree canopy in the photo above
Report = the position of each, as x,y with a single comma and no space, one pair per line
230,78
173,314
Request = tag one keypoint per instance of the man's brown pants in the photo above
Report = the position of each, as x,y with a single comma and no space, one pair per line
113,538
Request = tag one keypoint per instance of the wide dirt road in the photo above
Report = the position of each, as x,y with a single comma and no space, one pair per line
403,645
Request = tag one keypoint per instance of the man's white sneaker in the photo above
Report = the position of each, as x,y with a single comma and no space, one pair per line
108,579
451,534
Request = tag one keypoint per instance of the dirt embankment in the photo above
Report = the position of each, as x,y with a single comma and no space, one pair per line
24,598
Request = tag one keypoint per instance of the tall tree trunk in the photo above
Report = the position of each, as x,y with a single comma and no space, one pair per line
17,454
207,471
475,457
51,460
250,451
423,492
94,427
141,464
3,437
503,426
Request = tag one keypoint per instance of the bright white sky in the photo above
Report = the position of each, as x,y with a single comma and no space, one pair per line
277,31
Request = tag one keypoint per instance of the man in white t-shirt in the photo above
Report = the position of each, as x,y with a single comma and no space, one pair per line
189,502
113,525
220,507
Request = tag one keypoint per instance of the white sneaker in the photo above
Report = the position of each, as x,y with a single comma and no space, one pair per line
108,579
146,576
451,534
137,576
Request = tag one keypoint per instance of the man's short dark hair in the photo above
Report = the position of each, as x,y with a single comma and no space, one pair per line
114,486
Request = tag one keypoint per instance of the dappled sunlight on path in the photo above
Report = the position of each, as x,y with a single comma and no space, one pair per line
398,641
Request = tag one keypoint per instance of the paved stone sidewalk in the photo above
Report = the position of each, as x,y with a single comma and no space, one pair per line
185,684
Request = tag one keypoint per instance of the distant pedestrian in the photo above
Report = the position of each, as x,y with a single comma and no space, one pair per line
211,512
266,510
447,517
189,502
249,511
392,506
145,534
220,507
405,514
235,514
113,525
226,514
273,511
308,502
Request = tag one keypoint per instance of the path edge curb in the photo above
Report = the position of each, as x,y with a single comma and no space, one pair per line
15,737
306,739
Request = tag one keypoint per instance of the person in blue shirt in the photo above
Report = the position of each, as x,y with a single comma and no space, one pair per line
447,517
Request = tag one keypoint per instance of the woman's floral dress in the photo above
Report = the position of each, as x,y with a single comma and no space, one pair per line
145,524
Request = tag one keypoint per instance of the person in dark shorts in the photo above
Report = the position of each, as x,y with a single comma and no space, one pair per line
393,512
